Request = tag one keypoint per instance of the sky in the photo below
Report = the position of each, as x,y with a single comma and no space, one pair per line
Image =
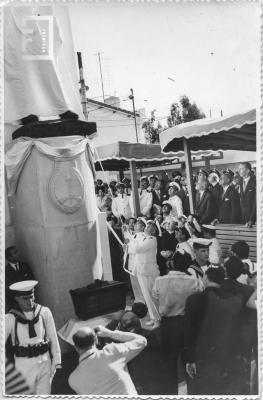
210,52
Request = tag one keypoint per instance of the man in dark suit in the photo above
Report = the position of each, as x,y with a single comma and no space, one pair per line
158,197
229,202
204,208
248,194
215,188
15,271
211,326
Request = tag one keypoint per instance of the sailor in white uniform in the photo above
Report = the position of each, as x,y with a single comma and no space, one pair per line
121,203
145,198
132,241
147,268
34,338
201,262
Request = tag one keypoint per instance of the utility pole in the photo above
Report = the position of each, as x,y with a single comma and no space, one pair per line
101,78
83,87
131,97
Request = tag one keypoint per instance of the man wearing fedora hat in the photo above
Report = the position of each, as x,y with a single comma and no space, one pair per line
34,338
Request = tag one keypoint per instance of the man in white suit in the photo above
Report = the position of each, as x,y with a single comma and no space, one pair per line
145,198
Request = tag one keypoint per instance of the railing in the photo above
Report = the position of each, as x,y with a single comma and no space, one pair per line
229,234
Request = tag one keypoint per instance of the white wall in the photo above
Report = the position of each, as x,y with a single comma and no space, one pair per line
113,126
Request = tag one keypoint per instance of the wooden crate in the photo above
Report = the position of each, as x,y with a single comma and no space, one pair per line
229,234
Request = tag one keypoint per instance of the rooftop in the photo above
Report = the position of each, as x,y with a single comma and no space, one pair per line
113,108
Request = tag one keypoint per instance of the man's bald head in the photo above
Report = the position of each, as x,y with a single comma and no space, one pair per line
85,338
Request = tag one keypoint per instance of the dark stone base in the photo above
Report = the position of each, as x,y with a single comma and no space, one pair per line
55,128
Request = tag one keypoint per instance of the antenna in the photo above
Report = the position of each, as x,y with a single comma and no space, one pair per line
108,74
101,78
83,87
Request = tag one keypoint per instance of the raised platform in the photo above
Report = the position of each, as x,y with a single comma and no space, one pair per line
228,234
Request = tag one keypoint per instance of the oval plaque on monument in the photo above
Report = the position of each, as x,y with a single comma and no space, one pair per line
66,188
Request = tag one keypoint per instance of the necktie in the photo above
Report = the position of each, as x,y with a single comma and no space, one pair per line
244,185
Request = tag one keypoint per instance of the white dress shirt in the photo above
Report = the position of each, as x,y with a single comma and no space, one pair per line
172,291
104,372
245,182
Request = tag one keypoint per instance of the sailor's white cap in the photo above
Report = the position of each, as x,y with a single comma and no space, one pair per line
142,219
201,242
174,184
23,288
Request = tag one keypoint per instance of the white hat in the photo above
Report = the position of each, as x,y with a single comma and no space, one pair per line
174,184
23,288
201,242
142,219
210,227
144,178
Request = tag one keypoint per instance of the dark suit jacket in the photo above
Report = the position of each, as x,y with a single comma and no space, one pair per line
248,200
204,208
158,199
216,193
166,242
229,206
23,273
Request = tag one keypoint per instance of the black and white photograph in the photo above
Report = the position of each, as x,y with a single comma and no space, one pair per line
132,181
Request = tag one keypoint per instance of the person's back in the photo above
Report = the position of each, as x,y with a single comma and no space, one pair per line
104,372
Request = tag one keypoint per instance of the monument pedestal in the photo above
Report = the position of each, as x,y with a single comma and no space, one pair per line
54,215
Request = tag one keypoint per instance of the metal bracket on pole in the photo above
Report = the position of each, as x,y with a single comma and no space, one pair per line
189,174
135,193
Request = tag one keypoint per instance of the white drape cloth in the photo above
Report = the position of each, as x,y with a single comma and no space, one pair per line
20,150
44,87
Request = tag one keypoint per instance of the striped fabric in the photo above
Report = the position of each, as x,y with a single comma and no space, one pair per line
15,383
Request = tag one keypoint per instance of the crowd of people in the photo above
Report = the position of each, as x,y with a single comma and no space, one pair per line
227,197
203,305
173,256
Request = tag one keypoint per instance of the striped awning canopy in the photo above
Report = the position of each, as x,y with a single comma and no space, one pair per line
116,156
236,132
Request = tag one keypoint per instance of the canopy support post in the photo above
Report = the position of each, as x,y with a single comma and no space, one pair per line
189,174
207,163
135,193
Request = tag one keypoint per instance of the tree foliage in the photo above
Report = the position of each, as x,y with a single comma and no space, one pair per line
152,129
184,111
180,112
